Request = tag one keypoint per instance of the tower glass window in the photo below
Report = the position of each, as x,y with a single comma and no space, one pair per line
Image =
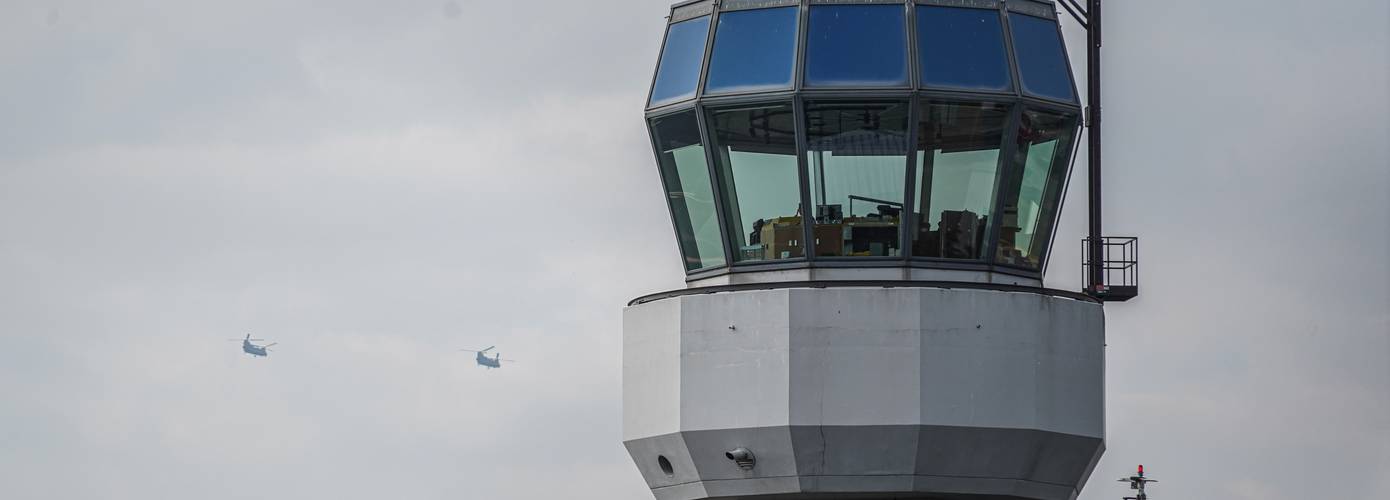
962,48
688,190
678,72
856,45
1032,191
856,161
754,152
753,50
785,134
957,169
1042,60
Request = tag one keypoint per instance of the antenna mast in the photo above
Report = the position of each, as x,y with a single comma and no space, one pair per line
1137,482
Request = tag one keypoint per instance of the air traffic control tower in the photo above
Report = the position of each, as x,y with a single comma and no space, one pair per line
864,195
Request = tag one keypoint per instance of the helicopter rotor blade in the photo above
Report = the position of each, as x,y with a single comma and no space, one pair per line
270,344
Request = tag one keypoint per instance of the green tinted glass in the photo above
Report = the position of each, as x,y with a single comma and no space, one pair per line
755,153
1033,190
856,161
957,168
688,190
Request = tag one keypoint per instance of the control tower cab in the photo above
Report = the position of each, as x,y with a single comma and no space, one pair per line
864,195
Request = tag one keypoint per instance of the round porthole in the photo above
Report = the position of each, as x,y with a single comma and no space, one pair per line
665,465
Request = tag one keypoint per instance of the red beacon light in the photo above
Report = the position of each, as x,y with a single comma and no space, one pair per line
1137,482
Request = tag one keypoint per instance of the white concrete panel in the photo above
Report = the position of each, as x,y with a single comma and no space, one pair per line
734,360
1071,371
854,356
651,375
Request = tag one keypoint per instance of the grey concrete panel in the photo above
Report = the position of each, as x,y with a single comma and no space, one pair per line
894,484
805,461
734,360
867,450
771,447
687,491
645,453
753,488
1036,456
651,377
1065,458
1071,372
853,356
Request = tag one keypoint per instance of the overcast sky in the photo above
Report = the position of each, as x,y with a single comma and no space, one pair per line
375,185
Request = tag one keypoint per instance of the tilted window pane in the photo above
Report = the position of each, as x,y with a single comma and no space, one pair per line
1042,61
679,70
688,190
856,160
851,45
957,169
1033,189
962,48
755,153
753,49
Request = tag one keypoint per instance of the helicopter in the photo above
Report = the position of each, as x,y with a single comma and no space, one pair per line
253,349
494,362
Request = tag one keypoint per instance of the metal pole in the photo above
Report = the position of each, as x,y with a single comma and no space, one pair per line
1097,278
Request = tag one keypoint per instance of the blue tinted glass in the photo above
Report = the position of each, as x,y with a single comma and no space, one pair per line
1042,64
856,45
679,70
753,49
962,48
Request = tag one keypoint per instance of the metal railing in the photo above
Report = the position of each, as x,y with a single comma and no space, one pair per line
1119,264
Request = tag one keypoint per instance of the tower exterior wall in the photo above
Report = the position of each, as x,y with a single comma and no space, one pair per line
865,391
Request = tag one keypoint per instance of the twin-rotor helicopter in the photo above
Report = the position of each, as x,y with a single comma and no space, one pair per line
261,351
253,349
481,358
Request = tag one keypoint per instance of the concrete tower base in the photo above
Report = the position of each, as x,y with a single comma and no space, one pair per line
864,392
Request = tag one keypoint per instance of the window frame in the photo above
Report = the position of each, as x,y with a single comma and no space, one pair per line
732,103
797,42
661,174
1006,150
909,37
1010,60
917,96
1016,121
673,20
803,147
1013,7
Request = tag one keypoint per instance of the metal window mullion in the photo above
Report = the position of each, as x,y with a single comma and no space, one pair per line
908,219
721,210
1014,70
1066,186
808,243
1002,181
709,51
913,58
803,24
